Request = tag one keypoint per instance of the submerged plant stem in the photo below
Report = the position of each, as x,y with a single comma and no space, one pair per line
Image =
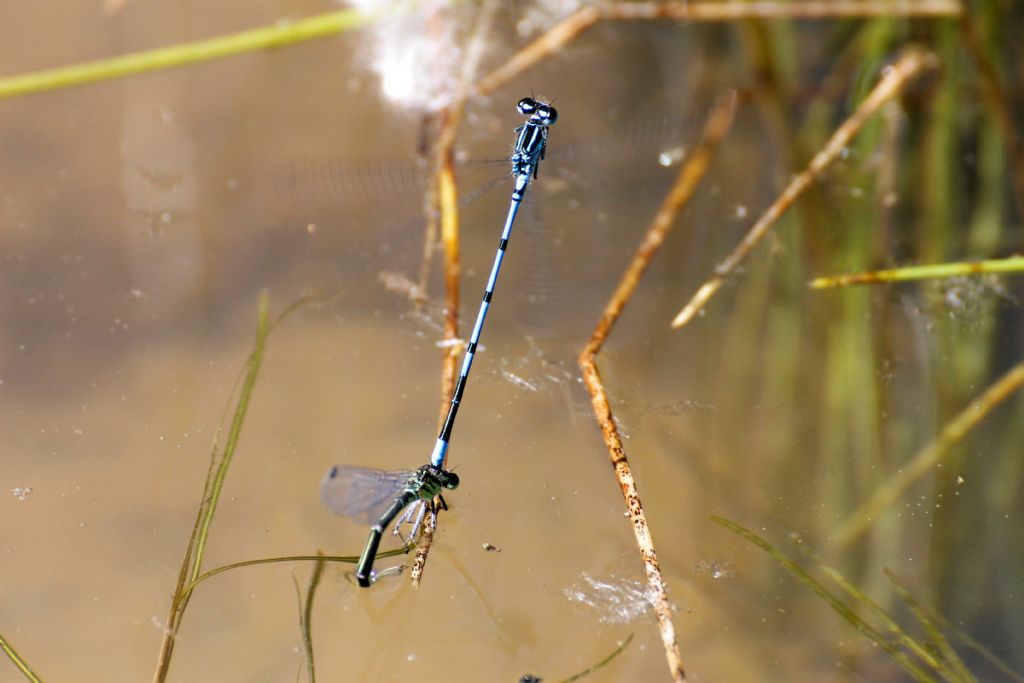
841,608
953,433
894,630
949,661
305,617
604,662
191,564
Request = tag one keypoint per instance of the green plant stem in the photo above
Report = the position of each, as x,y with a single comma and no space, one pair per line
254,363
951,663
603,662
305,616
280,34
1013,264
186,591
841,608
191,563
22,665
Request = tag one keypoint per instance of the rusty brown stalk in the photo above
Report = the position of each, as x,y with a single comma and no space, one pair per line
894,79
689,176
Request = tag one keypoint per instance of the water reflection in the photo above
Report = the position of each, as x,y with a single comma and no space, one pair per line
139,219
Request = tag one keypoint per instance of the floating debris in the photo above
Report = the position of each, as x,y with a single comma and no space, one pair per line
617,600
21,492
717,569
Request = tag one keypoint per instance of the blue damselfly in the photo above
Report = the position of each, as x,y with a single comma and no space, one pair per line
354,491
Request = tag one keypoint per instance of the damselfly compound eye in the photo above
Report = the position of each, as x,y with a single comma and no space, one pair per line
527,106
546,114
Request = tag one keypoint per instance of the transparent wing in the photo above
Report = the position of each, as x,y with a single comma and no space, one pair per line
362,492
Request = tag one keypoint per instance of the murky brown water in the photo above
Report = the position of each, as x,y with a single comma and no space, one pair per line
140,218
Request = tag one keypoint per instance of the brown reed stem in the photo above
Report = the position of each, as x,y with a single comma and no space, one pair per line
894,79
689,176
708,11
854,526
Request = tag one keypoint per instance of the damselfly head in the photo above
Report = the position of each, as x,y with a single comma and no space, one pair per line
539,112
441,477
449,480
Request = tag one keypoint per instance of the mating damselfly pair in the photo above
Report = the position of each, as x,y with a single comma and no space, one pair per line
381,496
